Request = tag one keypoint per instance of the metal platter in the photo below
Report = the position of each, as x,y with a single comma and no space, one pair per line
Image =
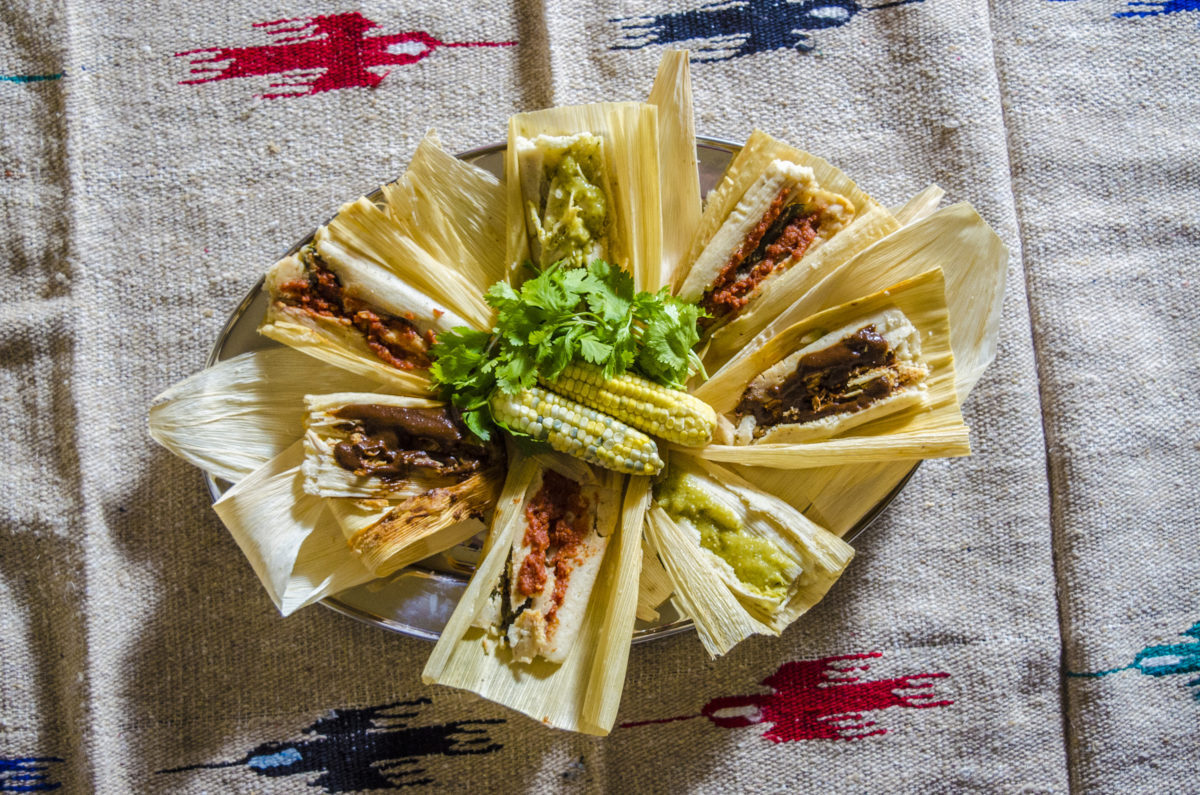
417,601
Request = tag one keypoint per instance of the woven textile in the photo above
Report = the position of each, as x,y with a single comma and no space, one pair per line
1041,595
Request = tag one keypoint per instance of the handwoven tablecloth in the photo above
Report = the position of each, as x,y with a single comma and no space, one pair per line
1044,591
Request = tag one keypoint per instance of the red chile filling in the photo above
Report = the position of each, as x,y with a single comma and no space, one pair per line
784,233
395,340
390,442
817,387
557,521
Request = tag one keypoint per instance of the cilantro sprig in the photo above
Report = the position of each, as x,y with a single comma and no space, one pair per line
560,316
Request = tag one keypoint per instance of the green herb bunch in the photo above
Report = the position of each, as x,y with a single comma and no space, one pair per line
559,316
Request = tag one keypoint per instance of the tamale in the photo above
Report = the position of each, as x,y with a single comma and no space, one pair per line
922,419
232,418
356,315
741,561
363,233
583,182
679,175
582,692
388,446
453,210
290,538
778,219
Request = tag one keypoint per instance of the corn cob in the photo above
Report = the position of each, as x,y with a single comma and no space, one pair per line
669,413
578,430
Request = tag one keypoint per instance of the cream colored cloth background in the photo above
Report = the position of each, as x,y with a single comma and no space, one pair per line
1039,587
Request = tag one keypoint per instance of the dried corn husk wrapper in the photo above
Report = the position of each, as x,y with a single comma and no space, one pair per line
232,418
725,609
869,222
290,538
654,584
629,179
453,210
974,261
679,176
582,692
931,429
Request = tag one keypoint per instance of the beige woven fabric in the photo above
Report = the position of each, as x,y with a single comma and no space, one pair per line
138,652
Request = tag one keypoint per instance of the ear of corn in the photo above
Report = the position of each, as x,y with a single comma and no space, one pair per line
577,430
668,413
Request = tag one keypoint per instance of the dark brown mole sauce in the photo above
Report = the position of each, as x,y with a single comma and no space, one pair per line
783,233
391,442
557,520
815,388
393,339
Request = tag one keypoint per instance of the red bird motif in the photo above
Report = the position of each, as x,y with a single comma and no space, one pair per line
819,700
317,54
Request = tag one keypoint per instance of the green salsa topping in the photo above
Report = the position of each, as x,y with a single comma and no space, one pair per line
575,215
756,561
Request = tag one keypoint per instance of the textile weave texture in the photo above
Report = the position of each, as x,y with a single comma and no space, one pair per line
1027,619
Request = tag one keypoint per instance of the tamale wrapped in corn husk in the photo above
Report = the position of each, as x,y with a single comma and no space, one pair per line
362,232
290,537
453,210
741,561
372,446
356,315
679,175
921,421
232,418
779,220
975,262
475,651
583,182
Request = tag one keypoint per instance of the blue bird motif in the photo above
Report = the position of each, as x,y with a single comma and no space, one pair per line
1163,660
735,28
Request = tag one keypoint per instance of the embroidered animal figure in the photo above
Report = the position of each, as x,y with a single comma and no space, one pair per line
729,30
820,700
317,54
363,749
1164,660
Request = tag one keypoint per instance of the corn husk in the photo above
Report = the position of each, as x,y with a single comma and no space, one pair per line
629,134
581,693
232,418
920,206
324,431
870,223
654,584
341,345
679,174
933,428
453,210
290,537
363,233
975,261
725,610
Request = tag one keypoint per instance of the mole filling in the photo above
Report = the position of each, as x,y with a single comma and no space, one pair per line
783,233
557,520
393,339
818,385
391,442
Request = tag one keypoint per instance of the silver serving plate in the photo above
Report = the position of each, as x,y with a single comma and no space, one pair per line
418,600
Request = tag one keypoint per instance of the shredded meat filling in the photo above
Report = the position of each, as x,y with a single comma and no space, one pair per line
784,233
391,442
819,386
393,339
557,520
